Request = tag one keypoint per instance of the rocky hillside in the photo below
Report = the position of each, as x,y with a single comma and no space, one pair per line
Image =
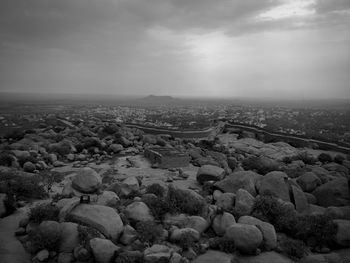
93,197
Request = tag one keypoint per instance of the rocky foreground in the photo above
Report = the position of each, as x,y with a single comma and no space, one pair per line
91,196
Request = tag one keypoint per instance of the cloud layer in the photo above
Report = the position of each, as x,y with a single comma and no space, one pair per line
279,48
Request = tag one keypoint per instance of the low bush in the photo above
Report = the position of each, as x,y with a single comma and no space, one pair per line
339,159
85,234
6,159
44,240
223,244
156,189
158,206
43,212
149,231
24,187
325,158
187,241
306,158
268,208
317,231
183,202
292,248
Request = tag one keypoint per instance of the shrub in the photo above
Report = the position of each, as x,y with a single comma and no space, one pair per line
294,249
110,129
339,159
15,135
129,257
156,189
149,231
317,231
49,240
10,204
184,202
223,244
325,158
268,208
158,206
85,234
6,159
23,160
306,158
261,165
43,212
27,187
187,241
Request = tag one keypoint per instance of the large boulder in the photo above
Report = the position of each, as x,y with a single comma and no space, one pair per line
222,222
244,202
214,256
239,180
338,212
104,219
178,233
321,173
337,170
275,183
126,187
87,181
210,173
103,250
157,253
309,181
108,198
69,237
138,211
268,231
226,201
266,257
333,193
342,237
300,200
247,238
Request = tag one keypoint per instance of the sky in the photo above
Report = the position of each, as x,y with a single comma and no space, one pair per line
198,48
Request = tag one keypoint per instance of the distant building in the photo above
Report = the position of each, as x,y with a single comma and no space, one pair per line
166,157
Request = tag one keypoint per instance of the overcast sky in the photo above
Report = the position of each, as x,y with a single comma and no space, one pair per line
221,48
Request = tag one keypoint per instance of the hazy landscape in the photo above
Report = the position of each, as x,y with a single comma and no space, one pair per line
171,131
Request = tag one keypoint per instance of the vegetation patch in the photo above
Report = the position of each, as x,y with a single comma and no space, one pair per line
43,212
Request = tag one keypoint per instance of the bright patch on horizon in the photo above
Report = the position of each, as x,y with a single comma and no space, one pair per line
289,9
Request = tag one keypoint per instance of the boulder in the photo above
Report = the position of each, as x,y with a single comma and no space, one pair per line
65,257
116,148
266,257
108,198
129,235
157,253
210,173
333,193
226,201
308,181
105,219
198,223
87,181
274,183
103,250
239,180
138,211
214,256
29,167
222,222
342,237
300,200
244,202
337,170
268,231
66,205
322,258
338,212
247,238
321,173
178,233
69,237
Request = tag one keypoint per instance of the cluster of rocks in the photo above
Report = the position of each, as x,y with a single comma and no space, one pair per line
227,187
